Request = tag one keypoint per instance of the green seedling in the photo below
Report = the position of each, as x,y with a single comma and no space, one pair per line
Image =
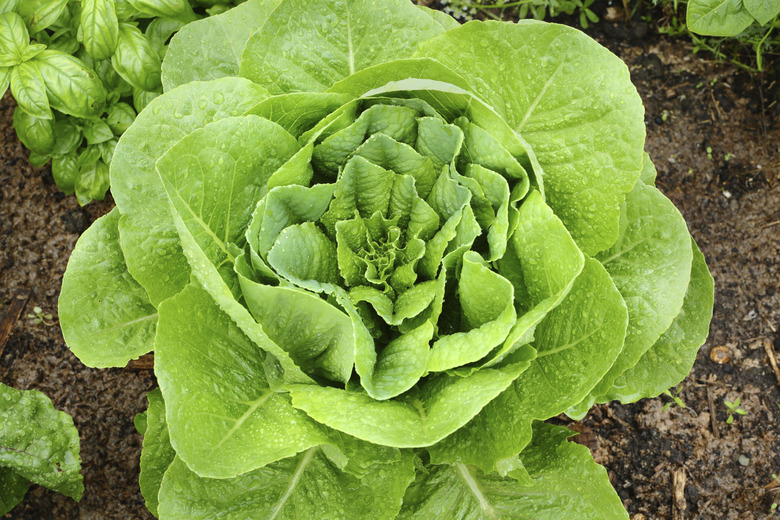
733,408
676,400
709,153
38,316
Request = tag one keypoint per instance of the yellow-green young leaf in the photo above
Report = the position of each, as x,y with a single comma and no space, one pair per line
72,88
29,90
13,35
40,14
99,28
136,60
35,133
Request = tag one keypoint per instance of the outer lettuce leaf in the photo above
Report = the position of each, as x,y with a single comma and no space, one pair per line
651,265
309,485
211,48
291,53
38,443
223,417
571,100
573,353
106,317
566,485
157,454
147,233
671,358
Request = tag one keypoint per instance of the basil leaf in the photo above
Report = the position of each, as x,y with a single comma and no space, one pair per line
71,87
40,14
97,131
100,28
136,60
120,117
28,88
65,170
13,35
67,136
164,8
35,133
93,182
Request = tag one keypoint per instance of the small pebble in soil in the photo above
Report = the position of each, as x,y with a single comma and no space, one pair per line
720,354
744,460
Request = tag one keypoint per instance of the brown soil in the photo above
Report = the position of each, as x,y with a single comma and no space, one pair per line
713,133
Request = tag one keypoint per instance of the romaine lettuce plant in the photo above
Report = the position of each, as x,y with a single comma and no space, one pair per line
371,252
37,444
79,70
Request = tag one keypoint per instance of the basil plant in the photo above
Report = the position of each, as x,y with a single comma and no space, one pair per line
79,70
372,252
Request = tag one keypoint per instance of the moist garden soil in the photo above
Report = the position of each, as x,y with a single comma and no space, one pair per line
714,135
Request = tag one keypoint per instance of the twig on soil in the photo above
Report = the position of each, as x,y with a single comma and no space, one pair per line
678,483
713,413
145,362
11,315
770,353
776,222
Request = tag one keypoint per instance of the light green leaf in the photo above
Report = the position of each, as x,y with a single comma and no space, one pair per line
71,87
36,134
487,302
65,170
13,487
317,335
293,53
14,37
29,90
651,265
148,235
6,6
442,18
308,485
93,182
762,10
119,117
649,172
135,60
38,442
298,112
99,28
572,100
5,78
111,326
215,176
97,131
179,9
157,454
40,14
717,17
223,417
572,353
420,417
566,485
211,48
671,358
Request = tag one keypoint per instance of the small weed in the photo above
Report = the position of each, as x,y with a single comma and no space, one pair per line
709,153
664,115
728,156
676,400
733,408
38,317
773,508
